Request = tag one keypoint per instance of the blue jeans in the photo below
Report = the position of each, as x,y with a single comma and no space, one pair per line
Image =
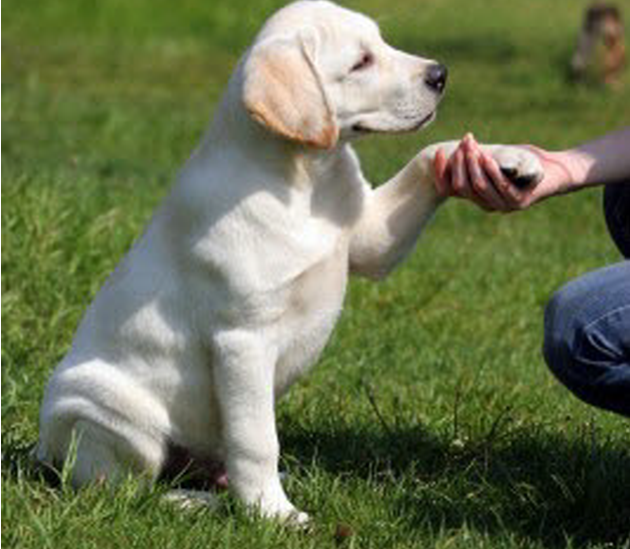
587,324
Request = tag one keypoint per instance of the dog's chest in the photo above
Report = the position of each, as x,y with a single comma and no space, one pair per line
314,301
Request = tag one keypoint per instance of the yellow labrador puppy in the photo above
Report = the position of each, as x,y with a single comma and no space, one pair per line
234,288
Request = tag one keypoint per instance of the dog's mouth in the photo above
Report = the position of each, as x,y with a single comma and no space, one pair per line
425,121
360,127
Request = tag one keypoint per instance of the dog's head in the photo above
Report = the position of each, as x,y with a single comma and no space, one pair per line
318,73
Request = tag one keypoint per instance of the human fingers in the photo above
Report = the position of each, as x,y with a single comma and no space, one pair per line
439,167
512,196
484,192
460,185
482,186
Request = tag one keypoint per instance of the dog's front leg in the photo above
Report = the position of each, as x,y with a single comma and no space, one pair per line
394,214
393,217
244,380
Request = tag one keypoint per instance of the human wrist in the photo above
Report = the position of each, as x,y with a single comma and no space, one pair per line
570,169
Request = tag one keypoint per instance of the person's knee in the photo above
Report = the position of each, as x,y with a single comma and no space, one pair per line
586,337
583,351
559,333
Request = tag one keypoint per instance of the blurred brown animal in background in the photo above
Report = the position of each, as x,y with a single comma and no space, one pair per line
600,55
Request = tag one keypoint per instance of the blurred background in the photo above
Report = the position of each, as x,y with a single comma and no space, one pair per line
164,64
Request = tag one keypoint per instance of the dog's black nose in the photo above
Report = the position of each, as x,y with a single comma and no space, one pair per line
436,77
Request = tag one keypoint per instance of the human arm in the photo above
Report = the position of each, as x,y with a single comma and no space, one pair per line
472,174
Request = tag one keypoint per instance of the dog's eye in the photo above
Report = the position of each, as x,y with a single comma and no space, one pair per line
366,60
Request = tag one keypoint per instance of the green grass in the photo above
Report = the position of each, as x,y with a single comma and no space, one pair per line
431,419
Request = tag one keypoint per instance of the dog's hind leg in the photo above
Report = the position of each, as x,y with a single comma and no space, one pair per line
92,456
96,455
92,453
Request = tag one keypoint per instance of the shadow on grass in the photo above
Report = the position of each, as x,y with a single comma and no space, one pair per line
18,462
541,487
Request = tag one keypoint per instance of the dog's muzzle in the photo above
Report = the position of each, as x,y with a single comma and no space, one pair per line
435,78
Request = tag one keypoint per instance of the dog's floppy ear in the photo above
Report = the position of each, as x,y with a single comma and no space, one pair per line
282,90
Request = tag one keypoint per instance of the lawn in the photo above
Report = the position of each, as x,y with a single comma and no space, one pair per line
431,420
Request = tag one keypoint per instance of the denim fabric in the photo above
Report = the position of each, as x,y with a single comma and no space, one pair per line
587,322
587,337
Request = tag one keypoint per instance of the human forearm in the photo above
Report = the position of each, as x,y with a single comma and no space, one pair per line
602,161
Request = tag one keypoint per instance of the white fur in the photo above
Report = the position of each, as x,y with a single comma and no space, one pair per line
233,290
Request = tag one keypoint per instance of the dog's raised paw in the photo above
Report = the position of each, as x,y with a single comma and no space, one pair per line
521,181
520,166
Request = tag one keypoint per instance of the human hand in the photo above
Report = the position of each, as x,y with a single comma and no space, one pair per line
473,174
